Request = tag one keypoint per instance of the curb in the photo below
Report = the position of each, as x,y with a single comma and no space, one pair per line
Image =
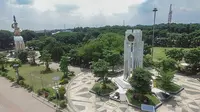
46,102
174,93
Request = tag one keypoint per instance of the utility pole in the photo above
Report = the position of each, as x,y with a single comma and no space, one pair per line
154,20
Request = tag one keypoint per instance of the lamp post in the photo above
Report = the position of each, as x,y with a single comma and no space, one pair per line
154,20
16,66
56,87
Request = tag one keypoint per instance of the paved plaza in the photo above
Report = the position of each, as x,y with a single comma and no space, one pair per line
15,99
84,101
188,100
81,100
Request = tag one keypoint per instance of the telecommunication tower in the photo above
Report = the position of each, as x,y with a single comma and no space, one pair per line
170,15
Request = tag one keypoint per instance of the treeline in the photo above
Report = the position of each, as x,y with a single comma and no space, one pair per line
85,45
175,35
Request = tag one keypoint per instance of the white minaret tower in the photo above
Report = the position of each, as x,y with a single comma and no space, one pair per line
133,51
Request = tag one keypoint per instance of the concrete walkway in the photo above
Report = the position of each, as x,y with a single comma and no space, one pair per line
16,99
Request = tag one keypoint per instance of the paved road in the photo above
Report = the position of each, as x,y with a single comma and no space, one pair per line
13,99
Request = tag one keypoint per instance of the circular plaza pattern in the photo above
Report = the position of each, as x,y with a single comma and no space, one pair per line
81,100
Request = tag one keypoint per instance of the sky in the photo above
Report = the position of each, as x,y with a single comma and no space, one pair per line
53,14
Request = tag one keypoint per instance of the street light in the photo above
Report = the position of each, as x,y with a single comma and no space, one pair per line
16,66
154,10
56,87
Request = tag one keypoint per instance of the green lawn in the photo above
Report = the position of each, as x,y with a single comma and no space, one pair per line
174,87
152,99
110,87
35,80
159,52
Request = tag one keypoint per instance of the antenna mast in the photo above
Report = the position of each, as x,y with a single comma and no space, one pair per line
170,15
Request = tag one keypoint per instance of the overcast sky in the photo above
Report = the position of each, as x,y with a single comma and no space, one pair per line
51,14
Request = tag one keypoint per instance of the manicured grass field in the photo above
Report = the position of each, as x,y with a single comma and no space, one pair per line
159,52
152,99
37,80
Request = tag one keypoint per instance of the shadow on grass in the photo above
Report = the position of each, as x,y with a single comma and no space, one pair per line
46,71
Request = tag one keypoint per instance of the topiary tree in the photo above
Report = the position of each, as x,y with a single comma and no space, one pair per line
141,81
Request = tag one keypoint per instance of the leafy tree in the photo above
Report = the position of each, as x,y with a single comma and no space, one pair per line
141,81
35,44
168,64
64,63
113,58
28,35
93,50
192,57
32,54
6,39
57,52
46,57
165,79
100,68
147,49
176,54
3,61
148,62
22,55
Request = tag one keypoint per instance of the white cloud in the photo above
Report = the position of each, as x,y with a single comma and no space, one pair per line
50,14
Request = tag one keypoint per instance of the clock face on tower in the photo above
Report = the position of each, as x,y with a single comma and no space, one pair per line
131,38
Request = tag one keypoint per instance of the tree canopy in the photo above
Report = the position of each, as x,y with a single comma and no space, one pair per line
64,63
141,81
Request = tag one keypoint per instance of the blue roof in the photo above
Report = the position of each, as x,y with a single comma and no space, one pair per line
148,108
